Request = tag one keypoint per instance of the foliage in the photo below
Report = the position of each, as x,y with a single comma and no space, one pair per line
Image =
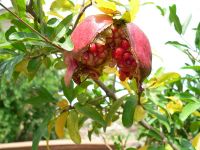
167,110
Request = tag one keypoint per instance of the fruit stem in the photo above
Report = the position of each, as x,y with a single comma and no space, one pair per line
35,31
81,13
108,92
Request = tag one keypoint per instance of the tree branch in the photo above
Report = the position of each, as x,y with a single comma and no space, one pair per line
108,92
161,134
80,14
38,33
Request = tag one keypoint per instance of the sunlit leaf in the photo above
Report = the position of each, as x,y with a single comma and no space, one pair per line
196,141
139,113
72,126
109,70
134,8
20,7
165,79
177,44
145,147
60,124
175,105
107,7
20,36
173,18
127,16
62,5
126,85
162,10
90,112
128,111
189,109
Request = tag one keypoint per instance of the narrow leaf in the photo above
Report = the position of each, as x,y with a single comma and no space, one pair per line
21,36
196,141
134,8
197,38
72,125
189,109
186,23
68,91
40,132
173,18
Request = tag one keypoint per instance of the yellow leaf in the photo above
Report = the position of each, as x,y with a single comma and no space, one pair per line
196,113
134,8
109,70
143,100
60,124
62,5
22,66
145,147
50,126
107,7
127,16
175,105
196,142
63,104
139,113
168,147
126,85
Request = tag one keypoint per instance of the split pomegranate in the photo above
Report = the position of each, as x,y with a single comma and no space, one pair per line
100,41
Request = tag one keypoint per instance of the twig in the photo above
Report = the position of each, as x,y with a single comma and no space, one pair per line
106,143
80,14
108,92
165,140
38,33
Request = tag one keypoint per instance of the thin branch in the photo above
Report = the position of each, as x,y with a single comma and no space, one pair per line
80,14
106,143
108,92
38,33
165,140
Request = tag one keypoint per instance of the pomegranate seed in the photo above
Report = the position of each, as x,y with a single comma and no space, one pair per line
125,44
128,58
85,55
118,52
93,48
122,76
100,47
117,41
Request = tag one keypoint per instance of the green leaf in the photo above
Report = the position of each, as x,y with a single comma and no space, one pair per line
185,144
40,132
197,38
90,112
7,51
63,24
113,109
72,125
162,10
186,23
188,110
7,67
20,7
195,68
34,64
161,118
43,96
21,36
128,111
177,44
68,91
173,18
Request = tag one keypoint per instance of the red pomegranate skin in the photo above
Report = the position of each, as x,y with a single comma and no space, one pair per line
140,48
87,30
85,33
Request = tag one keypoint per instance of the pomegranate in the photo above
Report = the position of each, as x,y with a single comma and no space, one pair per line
99,41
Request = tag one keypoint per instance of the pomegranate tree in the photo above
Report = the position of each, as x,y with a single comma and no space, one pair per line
101,41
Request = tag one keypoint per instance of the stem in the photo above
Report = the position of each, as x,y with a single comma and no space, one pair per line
108,92
38,33
80,14
161,134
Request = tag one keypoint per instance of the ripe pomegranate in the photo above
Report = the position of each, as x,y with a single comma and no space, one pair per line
99,41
